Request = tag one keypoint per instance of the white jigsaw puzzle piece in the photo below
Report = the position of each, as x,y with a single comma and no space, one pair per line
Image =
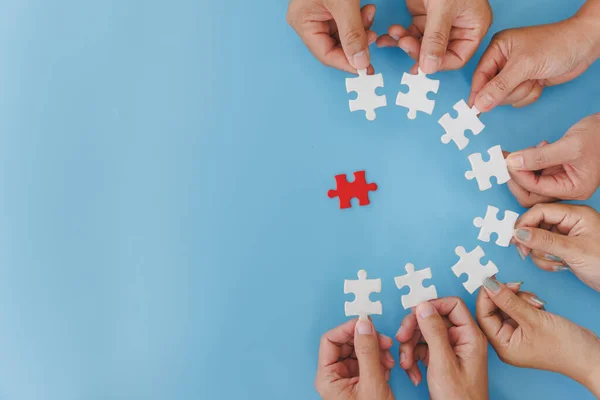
414,280
455,128
364,86
362,288
483,171
416,98
470,264
491,224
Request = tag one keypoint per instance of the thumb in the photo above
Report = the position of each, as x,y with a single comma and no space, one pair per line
545,241
434,332
352,32
366,347
496,90
538,158
512,305
436,36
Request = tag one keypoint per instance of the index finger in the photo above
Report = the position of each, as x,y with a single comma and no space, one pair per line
490,321
455,309
491,63
324,47
560,215
332,341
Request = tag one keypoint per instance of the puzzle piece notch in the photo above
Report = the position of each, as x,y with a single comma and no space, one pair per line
504,228
362,289
470,264
346,191
367,100
416,98
483,171
455,127
414,280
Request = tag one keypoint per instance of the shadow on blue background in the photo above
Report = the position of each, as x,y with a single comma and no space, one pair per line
165,227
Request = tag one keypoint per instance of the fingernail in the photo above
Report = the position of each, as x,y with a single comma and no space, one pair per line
399,331
404,49
395,37
402,357
517,283
551,257
413,378
425,310
538,301
561,268
523,256
523,235
486,100
491,284
389,357
515,161
431,63
364,327
361,60
382,336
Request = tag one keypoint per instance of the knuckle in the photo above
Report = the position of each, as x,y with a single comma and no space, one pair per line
540,159
438,331
546,240
437,40
354,36
500,83
510,304
366,349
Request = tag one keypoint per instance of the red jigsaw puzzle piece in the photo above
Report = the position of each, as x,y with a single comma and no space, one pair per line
346,191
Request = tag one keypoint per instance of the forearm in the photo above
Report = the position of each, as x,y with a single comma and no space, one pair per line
589,17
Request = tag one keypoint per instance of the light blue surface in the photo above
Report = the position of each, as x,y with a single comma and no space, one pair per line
165,231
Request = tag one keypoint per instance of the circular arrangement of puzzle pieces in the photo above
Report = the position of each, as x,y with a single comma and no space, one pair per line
415,100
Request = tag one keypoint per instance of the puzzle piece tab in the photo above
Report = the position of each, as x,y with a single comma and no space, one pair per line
455,128
483,171
346,191
470,264
491,224
418,293
362,288
364,86
416,99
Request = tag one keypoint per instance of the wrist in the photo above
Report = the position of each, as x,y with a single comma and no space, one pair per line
592,382
591,378
587,19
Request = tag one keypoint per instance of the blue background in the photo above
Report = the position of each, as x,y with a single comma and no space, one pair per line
165,231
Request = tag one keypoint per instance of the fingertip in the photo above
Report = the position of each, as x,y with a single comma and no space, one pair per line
425,310
430,63
484,102
371,37
515,161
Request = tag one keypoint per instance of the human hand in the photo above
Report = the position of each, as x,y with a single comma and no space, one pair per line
444,34
520,62
455,352
529,337
335,31
568,169
354,363
562,237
